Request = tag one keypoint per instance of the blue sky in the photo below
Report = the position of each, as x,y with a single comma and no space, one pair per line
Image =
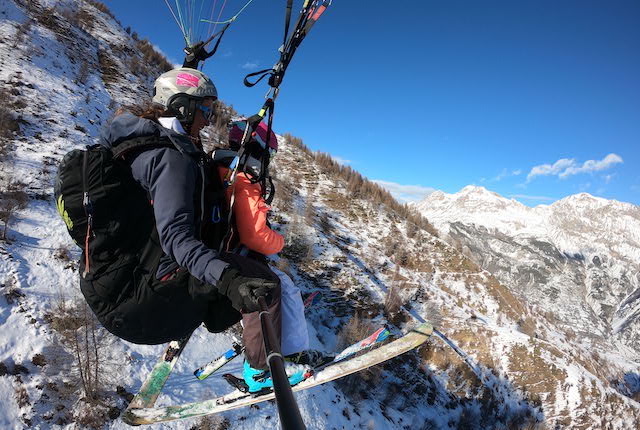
535,100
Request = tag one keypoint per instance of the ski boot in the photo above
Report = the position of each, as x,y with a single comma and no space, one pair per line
256,381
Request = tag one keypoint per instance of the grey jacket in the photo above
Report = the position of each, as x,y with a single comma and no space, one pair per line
170,177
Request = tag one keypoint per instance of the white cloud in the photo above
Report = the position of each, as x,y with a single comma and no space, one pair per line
250,65
551,169
593,165
608,178
566,167
341,160
528,197
406,193
516,172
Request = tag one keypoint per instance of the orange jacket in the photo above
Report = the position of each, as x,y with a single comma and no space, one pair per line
250,212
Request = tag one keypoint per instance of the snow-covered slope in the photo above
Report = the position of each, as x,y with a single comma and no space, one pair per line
343,241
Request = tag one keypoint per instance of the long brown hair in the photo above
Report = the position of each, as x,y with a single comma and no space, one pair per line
146,110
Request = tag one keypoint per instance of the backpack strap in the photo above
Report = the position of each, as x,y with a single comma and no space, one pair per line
140,143
268,198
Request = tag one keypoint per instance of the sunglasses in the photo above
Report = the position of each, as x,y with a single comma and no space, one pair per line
207,112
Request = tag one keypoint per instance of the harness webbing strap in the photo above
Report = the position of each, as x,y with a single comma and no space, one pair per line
272,192
309,15
287,21
311,11
316,15
252,124
215,48
262,73
86,251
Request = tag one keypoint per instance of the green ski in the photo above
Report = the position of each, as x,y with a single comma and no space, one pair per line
152,387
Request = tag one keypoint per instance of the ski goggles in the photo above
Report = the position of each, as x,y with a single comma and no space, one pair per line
207,112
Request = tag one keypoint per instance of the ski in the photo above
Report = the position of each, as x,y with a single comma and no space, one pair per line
151,388
378,336
311,299
295,375
214,365
238,399
203,372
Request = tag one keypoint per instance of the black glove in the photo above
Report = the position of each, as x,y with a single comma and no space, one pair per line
243,284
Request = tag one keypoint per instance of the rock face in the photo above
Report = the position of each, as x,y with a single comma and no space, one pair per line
578,258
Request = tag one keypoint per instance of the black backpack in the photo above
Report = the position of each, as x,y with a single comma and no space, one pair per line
107,213
110,216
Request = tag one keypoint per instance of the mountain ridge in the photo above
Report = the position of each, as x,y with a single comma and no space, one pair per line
474,204
598,238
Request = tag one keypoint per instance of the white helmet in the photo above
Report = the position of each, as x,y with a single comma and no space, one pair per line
180,89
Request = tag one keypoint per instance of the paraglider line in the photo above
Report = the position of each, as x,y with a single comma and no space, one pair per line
186,36
199,33
233,18
176,19
224,3
209,31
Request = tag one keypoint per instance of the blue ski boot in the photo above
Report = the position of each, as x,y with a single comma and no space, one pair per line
256,381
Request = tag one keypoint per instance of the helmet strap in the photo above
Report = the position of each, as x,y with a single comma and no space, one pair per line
184,108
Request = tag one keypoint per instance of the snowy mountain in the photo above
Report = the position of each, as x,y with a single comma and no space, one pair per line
578,258
67,65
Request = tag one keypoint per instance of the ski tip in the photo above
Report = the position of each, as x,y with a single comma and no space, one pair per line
130,418
383,335
311,299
